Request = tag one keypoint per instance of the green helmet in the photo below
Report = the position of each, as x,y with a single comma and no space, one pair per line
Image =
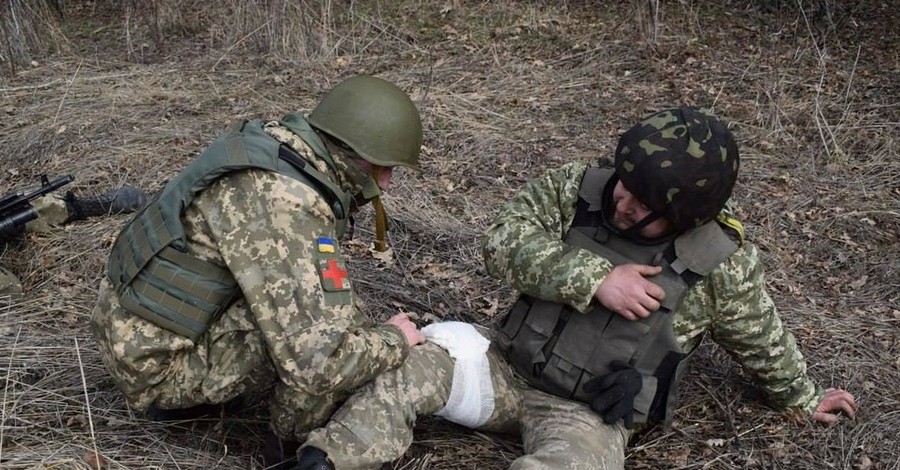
374,118
681,163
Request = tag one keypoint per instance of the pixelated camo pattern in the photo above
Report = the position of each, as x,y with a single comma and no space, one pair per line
524,248
286,332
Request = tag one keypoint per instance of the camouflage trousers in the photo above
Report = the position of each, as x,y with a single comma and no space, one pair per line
51,211
376,424
153,366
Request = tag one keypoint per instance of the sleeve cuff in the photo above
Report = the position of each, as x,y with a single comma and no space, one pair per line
583,301
813,403
395,347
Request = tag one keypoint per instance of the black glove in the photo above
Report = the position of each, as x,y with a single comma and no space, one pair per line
614,393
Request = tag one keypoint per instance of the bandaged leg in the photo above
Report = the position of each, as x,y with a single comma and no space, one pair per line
471,401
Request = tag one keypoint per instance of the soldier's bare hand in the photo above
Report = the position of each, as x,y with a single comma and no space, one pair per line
835,400
626,291
408,328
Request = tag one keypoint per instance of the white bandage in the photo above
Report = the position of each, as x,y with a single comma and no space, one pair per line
471,400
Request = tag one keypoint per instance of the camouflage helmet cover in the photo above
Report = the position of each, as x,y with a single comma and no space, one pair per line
681,163
373,117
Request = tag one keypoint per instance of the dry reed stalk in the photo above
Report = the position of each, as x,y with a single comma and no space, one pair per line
29,30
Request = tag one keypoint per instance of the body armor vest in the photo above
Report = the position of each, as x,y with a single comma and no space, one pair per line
558,349
149,267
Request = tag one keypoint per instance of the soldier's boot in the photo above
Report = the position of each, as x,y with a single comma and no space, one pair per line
313,458
183,414
278,454
208,410
116,201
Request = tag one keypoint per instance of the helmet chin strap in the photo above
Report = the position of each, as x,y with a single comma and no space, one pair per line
380,215
635,230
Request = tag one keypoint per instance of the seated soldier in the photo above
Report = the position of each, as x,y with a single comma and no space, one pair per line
621,271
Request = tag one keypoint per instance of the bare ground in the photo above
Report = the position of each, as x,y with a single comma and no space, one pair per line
507,89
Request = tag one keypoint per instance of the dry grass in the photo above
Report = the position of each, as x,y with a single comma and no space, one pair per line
29,30
507,89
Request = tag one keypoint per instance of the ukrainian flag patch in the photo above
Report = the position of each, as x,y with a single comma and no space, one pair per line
325,245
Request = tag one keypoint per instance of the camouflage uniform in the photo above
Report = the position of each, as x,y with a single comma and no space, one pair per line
524,247
286,335
51,211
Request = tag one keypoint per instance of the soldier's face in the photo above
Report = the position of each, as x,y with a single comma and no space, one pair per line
630,211
382,176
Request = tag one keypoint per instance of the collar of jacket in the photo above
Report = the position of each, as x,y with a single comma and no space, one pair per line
350,177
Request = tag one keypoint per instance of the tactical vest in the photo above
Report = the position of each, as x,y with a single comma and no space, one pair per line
558,349
149,267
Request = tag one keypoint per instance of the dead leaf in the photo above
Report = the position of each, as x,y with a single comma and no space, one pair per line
94,460
865,463
491,309
435,270
386,256
77,420
680,457
859,282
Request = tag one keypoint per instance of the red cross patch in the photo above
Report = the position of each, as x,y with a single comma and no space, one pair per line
333,275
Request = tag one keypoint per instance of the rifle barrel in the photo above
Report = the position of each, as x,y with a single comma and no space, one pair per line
14,200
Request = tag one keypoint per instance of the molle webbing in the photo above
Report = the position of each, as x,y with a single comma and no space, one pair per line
149,266
558,349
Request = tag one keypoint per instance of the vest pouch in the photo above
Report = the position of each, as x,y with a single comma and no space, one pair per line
619,340
562,378
513,322
180,293
528,348
591,341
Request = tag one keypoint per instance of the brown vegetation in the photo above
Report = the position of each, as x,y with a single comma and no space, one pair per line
507,89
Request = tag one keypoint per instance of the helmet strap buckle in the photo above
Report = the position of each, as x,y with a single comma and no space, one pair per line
380,216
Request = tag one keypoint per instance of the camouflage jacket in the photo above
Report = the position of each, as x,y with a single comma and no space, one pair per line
524,247
276,235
